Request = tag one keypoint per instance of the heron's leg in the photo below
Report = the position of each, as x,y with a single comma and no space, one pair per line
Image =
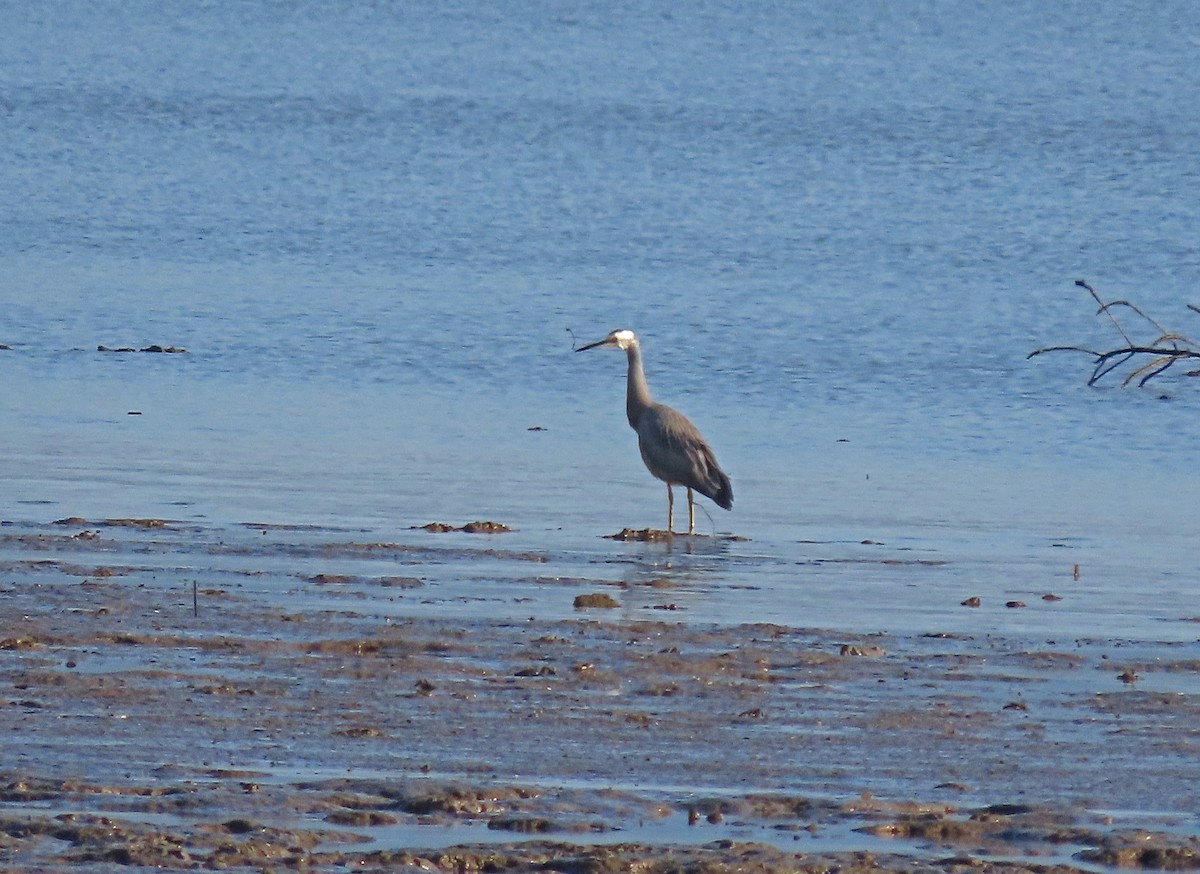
691,513
670,510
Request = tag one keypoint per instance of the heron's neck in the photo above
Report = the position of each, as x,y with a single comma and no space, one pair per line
637,395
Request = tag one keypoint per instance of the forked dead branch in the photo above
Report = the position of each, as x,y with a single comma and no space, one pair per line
1168,347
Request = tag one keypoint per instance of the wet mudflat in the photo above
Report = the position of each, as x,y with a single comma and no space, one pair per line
274,698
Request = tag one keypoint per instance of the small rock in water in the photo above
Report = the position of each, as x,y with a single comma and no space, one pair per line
597,599
485,528
435,527
400,582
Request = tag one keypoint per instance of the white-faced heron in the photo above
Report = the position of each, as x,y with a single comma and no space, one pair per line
672,447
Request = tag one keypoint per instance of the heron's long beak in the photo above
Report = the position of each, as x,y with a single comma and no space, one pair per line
592,345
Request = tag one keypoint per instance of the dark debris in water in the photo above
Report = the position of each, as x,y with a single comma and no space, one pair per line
388,582
78,521
155,347
898,562
276,526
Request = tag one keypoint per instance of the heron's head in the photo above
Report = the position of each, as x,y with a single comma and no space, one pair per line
622,338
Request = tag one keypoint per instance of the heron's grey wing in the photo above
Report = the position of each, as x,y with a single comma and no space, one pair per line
675,451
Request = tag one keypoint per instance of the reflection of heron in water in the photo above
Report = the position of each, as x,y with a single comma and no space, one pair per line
672,447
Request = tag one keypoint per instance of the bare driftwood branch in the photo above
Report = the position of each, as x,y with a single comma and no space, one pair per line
1167,349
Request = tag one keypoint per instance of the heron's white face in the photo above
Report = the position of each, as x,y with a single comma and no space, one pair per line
622,338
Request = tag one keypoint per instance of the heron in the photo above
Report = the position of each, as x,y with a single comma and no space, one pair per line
672,448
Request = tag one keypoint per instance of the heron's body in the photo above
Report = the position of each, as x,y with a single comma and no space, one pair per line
672,448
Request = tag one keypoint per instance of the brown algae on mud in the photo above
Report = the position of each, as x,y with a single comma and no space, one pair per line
1009,830
254,710
346,823
660,535
643,535
469,528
